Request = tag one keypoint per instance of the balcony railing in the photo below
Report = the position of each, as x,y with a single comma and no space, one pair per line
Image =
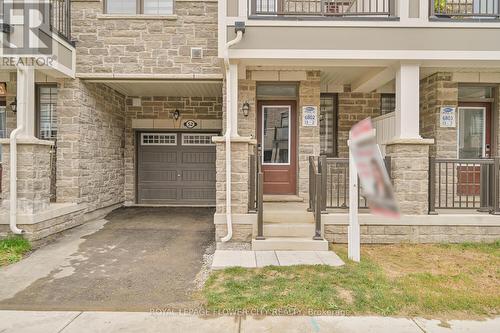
325,8
465,9
59,16
464,184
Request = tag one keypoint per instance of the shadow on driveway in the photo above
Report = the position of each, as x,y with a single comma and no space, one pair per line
142,259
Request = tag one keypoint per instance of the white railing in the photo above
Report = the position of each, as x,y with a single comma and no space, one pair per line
385,129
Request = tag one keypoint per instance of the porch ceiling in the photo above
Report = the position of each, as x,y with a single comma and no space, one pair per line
184,88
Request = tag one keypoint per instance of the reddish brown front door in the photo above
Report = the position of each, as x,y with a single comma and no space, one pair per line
474,142
277,126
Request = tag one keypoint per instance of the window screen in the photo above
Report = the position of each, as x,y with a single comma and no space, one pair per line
158,7
121,6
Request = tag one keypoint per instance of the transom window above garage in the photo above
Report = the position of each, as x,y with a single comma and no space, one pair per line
195,139
167,139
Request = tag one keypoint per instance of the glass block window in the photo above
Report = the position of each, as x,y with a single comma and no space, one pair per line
159,139
387,103
47,113
197,139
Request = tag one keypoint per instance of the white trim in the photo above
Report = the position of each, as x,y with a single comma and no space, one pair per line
289,109
211,143
484,128
174,135
416,55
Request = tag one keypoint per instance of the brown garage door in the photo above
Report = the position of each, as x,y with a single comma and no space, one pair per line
176,169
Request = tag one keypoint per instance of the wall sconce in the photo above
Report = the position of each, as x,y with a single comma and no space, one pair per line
13,105
245,108
176,114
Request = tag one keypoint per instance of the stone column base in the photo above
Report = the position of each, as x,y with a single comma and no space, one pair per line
410,174
33,174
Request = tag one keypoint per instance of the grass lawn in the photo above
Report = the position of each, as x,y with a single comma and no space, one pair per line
450,281
12,249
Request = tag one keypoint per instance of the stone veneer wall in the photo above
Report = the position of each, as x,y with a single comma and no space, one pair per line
409,174
90,140
353,107
160,108
308,140
146,46
33,176
385,234
498,120
436,91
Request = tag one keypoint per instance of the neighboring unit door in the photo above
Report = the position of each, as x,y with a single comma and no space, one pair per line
474,142
277,137
176,169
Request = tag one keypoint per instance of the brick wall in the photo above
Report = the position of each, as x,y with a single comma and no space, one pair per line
90,154
161,108
436,91
146,46
352,108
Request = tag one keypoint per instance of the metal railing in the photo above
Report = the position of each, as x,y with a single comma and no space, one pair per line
465,9
256,190
59,16
336,182
53,172
464,184
315,192
375,8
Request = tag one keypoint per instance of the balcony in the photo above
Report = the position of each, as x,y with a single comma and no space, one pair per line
322,8
465,9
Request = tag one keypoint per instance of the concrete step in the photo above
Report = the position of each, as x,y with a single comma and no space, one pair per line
290,212
289,244
282,198
289,230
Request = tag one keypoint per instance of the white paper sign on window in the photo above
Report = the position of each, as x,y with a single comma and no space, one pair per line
310,116
447,117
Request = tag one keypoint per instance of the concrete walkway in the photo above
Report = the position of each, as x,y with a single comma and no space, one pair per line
109,322
252,259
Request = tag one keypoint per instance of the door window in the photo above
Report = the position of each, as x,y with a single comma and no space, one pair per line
471,132
276,134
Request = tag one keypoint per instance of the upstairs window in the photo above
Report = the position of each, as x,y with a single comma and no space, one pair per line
47,113
147,7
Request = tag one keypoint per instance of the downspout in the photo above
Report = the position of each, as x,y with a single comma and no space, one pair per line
229,221
13,166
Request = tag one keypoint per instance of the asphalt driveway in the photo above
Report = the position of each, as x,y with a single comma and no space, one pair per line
137,259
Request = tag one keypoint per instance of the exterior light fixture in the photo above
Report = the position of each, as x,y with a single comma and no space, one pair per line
13,105
176,114
245,108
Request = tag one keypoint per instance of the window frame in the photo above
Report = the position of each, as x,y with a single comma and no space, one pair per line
335,129
392,95
37,107
139,9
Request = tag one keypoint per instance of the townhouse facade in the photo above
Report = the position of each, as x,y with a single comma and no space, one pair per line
156,100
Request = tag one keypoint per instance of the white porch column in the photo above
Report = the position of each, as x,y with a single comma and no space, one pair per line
407,102
26,101
233,108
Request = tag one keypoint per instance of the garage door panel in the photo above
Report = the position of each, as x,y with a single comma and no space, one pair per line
157,155
198,156
158,194
155,176
181,174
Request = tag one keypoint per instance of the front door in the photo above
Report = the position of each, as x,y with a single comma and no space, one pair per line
277,137
474,142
